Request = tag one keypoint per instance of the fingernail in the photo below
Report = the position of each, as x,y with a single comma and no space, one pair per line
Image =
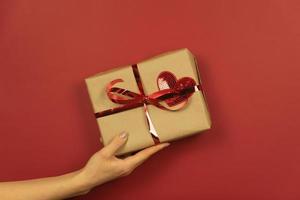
166,144
123,135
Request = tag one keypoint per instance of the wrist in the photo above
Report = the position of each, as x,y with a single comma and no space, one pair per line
80,183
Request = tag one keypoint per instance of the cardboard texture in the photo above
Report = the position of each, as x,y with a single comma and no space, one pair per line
191,119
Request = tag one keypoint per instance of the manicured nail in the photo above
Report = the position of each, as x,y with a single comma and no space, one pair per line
123,135
166,144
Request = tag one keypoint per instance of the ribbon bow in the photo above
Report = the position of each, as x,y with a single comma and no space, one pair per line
178,92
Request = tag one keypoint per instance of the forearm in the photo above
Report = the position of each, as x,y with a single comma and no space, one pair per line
51,188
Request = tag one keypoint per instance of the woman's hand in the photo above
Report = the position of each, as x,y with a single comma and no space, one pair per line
104,166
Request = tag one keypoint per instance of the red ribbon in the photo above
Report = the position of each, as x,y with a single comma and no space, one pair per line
130,100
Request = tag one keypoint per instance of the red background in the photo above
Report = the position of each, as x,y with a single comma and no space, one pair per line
249,62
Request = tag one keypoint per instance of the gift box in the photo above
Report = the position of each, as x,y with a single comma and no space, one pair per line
157,100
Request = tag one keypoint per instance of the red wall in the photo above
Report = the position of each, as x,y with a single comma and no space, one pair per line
250,66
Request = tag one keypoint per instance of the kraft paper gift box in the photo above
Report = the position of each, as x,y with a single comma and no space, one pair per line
146,127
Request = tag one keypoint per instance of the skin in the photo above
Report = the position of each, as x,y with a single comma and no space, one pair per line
102,167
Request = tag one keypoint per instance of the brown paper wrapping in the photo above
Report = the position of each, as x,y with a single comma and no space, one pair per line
192,119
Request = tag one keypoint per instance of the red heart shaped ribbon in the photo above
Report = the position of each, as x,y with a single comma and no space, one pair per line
172,91
167,80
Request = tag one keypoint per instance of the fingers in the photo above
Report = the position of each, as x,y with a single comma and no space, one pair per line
143,155
117,142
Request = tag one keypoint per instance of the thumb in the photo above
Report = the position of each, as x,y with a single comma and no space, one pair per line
117,142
